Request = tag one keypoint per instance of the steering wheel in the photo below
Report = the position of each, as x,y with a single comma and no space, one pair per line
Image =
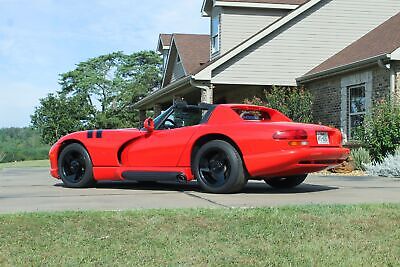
170,121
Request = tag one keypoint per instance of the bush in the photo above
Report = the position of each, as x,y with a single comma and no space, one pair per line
381,131
389,167
19,144
296,103
361,157
2,156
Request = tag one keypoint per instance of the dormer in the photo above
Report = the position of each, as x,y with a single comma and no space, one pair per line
163,46
233,21
186,54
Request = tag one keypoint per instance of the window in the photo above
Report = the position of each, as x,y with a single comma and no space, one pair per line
253,115
182,117
215,34
165,58
356,107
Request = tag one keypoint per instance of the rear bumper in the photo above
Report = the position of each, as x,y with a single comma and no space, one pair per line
295,161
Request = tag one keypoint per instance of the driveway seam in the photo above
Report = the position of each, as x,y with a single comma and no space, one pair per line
205,199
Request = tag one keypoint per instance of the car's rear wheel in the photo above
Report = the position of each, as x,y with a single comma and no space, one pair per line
218,168
286,182
75,167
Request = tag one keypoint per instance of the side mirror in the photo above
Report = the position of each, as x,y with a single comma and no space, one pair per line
149,125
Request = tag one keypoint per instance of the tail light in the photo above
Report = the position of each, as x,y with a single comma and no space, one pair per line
291,135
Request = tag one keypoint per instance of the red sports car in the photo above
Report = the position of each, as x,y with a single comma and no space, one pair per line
220,146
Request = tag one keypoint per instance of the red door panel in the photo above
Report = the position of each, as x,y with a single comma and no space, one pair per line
161,148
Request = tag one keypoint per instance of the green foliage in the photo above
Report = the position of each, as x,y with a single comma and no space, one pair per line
389,167
312,235
381,131
361,157
20,144
98,93
296,103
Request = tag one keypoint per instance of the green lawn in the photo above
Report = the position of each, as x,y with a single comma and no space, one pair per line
299,236
23,164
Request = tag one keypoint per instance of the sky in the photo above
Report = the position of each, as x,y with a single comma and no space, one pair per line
39,39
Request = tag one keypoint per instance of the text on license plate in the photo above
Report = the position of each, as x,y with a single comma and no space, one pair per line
322,138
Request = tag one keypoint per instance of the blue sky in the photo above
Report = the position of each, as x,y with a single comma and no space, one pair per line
40,39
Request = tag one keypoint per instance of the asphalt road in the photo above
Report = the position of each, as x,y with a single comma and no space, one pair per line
26,190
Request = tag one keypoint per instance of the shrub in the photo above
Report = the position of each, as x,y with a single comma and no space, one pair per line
389,167
361,157
381,131
2,156
296,103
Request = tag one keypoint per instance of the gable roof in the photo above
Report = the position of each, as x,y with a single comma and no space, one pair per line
274,4
382,40
204,73
164,41
284,2
193,50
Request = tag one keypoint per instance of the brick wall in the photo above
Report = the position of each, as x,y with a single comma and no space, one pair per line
381,84
326,106
327,94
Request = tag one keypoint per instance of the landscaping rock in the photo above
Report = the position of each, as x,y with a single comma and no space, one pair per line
346,167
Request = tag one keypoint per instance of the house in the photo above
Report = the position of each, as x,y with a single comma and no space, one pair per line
254,44
351,81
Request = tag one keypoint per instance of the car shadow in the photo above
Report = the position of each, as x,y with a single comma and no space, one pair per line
251,187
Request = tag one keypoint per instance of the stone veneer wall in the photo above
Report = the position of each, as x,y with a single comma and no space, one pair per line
327,94
326,106
381,84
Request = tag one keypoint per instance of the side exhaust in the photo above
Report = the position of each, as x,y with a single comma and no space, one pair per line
181,178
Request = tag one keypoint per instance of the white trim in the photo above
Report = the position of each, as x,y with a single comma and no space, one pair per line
396,54
162,92
205,74
365,78
255,5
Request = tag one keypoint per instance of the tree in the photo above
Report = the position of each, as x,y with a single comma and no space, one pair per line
296,103
98,93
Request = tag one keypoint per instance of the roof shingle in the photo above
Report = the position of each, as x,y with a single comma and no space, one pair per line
194,50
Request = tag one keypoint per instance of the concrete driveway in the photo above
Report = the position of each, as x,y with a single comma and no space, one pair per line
26,190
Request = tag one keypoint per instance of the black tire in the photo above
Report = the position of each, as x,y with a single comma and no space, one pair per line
286,182
218,168
75,167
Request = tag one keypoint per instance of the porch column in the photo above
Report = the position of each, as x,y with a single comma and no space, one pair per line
142,117
207,94
157,110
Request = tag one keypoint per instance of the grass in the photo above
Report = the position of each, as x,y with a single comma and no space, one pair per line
25,164
299,236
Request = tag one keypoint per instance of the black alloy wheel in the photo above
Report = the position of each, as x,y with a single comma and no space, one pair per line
286,182
75,167
218,168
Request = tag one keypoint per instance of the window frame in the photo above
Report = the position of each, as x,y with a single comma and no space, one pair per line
215,36
351,114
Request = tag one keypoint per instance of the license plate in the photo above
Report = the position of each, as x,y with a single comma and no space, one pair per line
323,138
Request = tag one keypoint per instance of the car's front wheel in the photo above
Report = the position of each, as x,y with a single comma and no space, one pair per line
218,168
286,182
75,167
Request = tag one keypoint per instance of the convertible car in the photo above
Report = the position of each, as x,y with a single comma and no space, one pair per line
220,146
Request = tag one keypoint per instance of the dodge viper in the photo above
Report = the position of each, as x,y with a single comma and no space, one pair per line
220,146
